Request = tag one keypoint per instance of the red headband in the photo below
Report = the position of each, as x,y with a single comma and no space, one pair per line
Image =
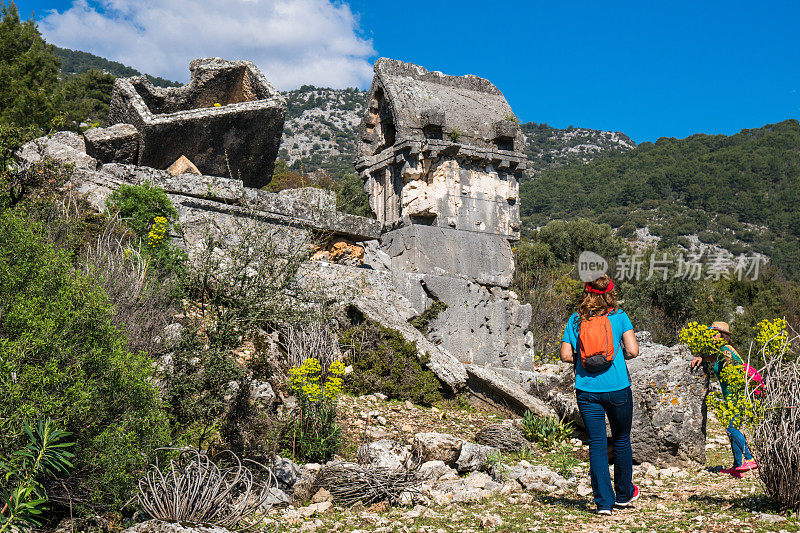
610,287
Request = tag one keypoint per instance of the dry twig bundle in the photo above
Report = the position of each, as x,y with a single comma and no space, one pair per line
349,483
776,437
314,339
197,488
503,437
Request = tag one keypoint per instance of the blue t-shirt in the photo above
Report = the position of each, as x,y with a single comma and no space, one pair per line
614,377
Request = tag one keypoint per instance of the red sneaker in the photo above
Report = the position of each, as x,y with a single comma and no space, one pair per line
631,500
733,471
747,466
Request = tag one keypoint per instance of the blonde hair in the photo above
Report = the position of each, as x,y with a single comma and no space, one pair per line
591,304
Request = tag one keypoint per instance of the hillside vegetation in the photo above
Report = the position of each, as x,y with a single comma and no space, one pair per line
77,62
548,147
739,192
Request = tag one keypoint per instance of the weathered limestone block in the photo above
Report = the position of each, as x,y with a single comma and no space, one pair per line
228,119
372,294
440,150
487,259
474,457
384,454
65,147
494,389
669,410
482,326
115,144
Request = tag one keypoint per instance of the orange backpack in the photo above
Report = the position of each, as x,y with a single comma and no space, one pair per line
596,343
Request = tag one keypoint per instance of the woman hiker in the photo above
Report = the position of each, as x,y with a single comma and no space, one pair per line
593,342
742,458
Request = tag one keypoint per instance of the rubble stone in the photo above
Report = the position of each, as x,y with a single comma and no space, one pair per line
384,453
473,456
434,446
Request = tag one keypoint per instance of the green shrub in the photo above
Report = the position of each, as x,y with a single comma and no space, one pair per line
61,357
139,205
149,213
350,196
196,385
547,431
383,361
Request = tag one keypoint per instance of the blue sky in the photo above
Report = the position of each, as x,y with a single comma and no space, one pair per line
649,70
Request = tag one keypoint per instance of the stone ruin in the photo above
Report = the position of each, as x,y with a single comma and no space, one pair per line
441,157
228,121
439,150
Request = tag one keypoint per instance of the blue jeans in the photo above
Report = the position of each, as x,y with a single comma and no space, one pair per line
738,443
618,406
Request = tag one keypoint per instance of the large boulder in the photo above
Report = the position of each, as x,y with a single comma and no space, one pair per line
669,411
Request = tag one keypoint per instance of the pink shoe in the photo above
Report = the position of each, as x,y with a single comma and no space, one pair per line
747,466
732,471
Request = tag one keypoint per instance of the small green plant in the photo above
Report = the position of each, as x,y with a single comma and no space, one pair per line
422,320
139,205
44,455
546,431
497,467
149,213
454,135
563,460
312,434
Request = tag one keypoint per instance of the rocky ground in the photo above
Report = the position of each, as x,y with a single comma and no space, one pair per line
532,496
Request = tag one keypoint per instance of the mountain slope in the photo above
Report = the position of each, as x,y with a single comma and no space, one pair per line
322,127
77,62
741,192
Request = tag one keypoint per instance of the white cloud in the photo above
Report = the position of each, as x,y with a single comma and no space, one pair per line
292,41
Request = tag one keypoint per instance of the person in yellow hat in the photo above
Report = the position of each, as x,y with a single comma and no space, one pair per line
742,458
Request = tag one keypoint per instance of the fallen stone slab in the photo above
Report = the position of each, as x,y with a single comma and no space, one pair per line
504,392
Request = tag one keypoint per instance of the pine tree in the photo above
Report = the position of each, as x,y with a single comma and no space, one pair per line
30,92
